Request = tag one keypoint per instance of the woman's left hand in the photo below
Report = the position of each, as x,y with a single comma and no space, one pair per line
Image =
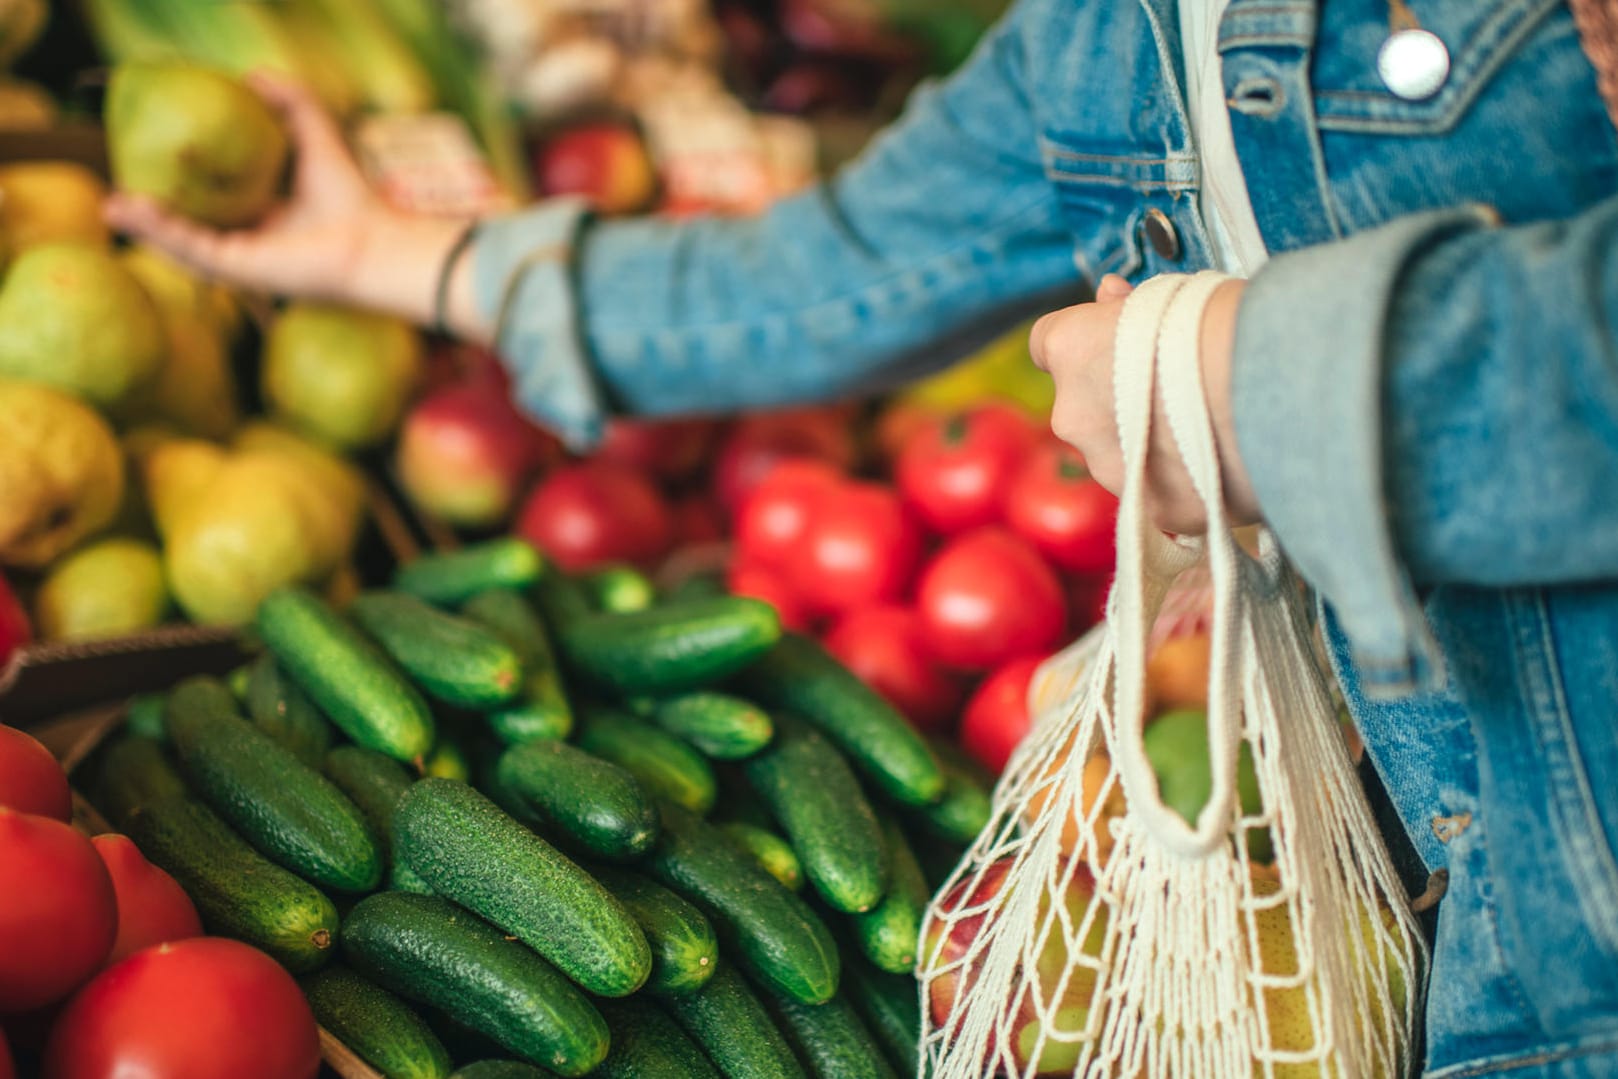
1075,347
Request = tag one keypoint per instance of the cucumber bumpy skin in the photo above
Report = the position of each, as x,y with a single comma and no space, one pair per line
454,659
685,952
374,1023
448,578
593,804
726,1018
647,1044
541,709
670,649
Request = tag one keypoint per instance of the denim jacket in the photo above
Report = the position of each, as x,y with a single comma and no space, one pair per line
1426,391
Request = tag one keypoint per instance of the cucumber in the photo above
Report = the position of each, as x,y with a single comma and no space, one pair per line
672,648
541,709
284,712
593,803
723,727
801,677
889,934
813,794
768,850
353,684
238,679
685,952
401,878
500,1069
618,589
447,760
831,1039
238,893
135,771
665,766
373,782
647,1044
450,578
455,660
294,815
965,808
144,716
890,1004
771,932
562,600
429,950
468,850
703,585
727,1020
938,857
374,1023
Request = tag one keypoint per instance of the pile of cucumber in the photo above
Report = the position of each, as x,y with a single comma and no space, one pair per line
557,826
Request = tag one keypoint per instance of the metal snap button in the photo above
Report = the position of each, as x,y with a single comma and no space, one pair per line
1161,234
1413,64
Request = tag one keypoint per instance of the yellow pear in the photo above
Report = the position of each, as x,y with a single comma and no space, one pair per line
332,522
338,375
72,317
195,388
25,106
335,475
177,473
105,588
47,201
61,473
172,285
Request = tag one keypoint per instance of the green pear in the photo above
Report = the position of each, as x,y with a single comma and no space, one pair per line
103,589
73,318
194,139
61,472
340,376
1177,746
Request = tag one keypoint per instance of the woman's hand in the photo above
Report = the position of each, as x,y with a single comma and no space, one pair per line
333,239
1075,347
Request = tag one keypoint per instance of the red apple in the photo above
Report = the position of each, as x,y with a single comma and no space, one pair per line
667,449
595,512
465,453
606,163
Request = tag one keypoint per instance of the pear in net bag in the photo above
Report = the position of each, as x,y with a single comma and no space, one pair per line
1092,930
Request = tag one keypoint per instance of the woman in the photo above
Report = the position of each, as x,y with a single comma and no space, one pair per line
1417,389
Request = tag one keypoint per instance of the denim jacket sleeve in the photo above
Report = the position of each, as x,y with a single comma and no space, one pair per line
1435,401
944,232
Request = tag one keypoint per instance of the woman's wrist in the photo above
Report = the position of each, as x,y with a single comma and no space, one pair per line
1218,346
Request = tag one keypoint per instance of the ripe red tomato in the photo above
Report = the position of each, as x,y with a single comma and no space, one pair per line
758,442
772,522
988,597
762,582
1054,504
194,1009
30,779
954,472
58,914
885,647
667,449
587,514
996,717
900,424
152,907
15,630
860,549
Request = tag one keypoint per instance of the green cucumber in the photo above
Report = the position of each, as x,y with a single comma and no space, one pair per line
666,766
450,578
347,678
771,932
890,1004
670,649
965,808
372,781
801,677
429,950
401,878
938,856
135,771
447,760
592,803
889,934
647,1044
374,1023
831,1039
468,850
238,893
685,952
541,709
281,710
455,660
811,791
500,1069
723,727
237,679
562,600
295,816
768,850
703,585
618,589
728,1021
144,716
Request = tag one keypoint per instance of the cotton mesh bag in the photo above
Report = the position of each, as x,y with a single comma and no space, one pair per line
1093,931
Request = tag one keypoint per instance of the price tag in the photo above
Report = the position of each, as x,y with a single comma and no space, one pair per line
428,163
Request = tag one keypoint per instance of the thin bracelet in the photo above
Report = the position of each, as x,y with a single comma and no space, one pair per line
445,268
